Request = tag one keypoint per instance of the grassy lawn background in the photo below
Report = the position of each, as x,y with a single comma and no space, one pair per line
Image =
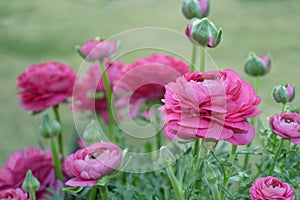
36,31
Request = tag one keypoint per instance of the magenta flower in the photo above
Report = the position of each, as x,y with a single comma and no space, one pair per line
97,49
44,85
13,173
92,163
271,188
89,92
210,105
287,125
13,194
144,80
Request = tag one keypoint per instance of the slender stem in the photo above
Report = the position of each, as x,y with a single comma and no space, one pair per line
228,172
276,156
59,137
215,191
176,185
283,107
201,154
202,63
56,163
32,195
110,105
104,192
93,193
194,55
196,147
256,85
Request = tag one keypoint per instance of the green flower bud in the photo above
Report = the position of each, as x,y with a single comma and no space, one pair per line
195,8
49,127
212,173
203,32
257,65
30,183
284,94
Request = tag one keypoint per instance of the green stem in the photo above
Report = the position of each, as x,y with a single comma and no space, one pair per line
276,157
228,171
196,147
93,193
104,192
176,185
59,137
194,55
215,191
57,167
110,104
202,63
283,107
32,195
201,154
256,85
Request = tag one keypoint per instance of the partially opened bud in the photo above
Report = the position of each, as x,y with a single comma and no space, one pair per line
97,49
203,32
257,65
195,8
49,127
284,94
30,183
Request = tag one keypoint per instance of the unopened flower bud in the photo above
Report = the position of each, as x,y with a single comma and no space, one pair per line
30,183
166,157
195,8
203,32
212,173
257,65
284,94
49,127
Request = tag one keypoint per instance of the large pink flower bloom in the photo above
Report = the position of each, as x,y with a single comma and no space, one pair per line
210,105
92,84
271,188
92,163
144,80
97,49
287,125
13,194
13,173
45,85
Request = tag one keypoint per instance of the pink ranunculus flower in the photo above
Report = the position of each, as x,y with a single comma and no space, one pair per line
144,80
44,85
210,105
287,125
97,49
91,84
271,188
13,194
13,173
92,163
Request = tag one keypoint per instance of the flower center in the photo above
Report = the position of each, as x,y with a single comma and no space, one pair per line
288,120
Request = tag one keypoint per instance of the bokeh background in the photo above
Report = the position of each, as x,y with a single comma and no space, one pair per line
36,31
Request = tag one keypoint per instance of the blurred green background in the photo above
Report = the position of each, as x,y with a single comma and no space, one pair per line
36,31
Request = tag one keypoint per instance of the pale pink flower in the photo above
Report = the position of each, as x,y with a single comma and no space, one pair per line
287,125
210,105
144,80
92,163
44,85
97,49
271,188
13,194
13,173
